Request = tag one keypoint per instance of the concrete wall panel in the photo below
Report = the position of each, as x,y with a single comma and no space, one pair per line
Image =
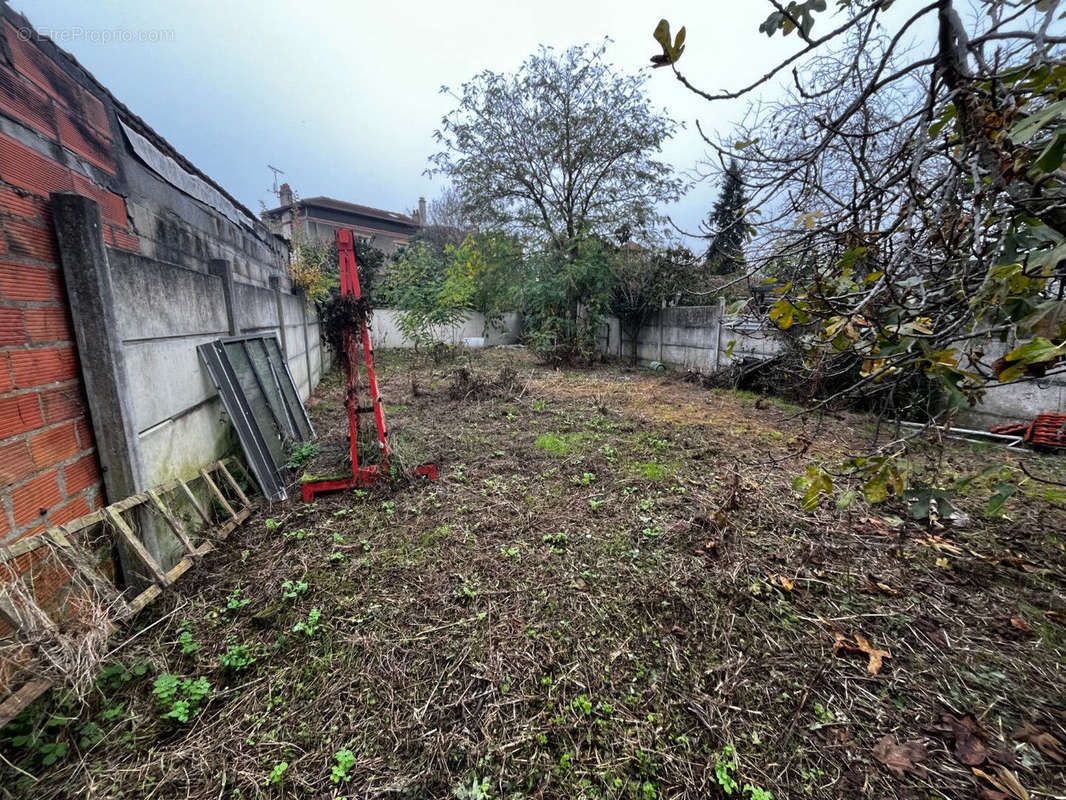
385,330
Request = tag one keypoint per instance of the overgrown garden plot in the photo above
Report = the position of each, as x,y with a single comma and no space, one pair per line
613,591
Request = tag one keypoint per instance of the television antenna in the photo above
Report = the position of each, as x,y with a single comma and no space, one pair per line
276,172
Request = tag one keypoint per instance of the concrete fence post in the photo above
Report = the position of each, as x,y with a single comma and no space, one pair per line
662,321
275,285
87,274
221,268
718,332
91,296
307,338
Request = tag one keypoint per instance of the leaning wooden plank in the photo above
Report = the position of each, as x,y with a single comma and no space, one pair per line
239,466
152,592
196,504
21,547
126,532
218,495
221,466
175,526
81,523
128,503
226,529
14,704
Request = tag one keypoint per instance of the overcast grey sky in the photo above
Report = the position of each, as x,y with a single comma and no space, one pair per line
344,96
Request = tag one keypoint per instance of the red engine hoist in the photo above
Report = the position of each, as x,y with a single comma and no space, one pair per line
361,476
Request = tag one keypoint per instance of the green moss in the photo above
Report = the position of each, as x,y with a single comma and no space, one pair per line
554,444
308,478
651,470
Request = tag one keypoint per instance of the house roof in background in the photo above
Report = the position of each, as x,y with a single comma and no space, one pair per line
350,208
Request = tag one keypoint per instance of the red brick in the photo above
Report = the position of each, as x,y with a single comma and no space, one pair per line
25,239
95,112
62,404
18,414
25,282
45,365
15,463
12,327
34,499
6,384
112,206
39,68
49,577
48,325
22,100
126,241
78,507
76,134
21,166
80,475
5,525
21,205
85,434
55,445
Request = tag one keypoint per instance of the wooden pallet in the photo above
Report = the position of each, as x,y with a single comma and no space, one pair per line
79,561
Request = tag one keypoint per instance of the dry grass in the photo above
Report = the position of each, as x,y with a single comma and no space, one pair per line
612,592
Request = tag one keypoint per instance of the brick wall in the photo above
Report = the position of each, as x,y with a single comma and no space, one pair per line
63,131
55,137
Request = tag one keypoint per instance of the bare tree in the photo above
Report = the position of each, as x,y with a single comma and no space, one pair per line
450,222
912,200
562,148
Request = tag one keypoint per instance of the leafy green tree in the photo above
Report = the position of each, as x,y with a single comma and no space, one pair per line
554,280
434,287
483,273
726,228
415,285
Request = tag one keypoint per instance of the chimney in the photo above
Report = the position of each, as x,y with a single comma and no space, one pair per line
422,212
285,195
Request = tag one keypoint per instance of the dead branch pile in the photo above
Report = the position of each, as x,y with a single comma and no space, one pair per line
341,313
469,384
67,652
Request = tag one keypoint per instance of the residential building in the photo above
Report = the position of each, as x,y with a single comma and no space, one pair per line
320,217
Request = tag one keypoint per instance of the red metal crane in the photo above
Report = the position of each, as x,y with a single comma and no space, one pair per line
371,473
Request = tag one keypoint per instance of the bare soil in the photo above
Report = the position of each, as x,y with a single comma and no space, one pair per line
612,591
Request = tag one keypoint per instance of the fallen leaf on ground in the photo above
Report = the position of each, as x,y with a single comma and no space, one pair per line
1056,616
1043,740
782,581
881,586
861,645
876,655
900,758
967,732
1006,782
1020,624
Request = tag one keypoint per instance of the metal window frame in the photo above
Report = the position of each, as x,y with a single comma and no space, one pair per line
253,439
